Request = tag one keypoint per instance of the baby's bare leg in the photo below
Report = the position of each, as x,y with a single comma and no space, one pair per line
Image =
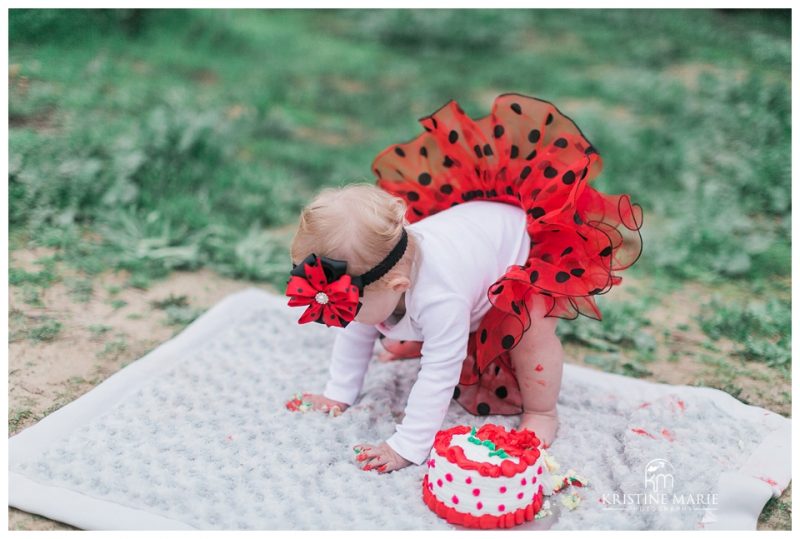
538,362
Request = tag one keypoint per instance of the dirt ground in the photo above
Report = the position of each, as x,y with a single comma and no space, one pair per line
119,324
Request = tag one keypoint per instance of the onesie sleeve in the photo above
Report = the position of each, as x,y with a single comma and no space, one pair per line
445,324
352,350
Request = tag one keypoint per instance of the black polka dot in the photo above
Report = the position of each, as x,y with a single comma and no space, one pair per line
447,161
561,142
577,272
498,290
530,155
536,212
525,172
566,251
514,151
453,137
477,150
606,251
549,119
446,189
568,177
435,123
509,190
501,392
498,131
562,276
534,276
487,150
423,151
483,408
424,178
300,290
516,108
550,172
412,196
515,307
483,336
508,341
399,151
456,392
534,135
578,220
496,370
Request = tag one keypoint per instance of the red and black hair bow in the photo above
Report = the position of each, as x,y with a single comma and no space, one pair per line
331,294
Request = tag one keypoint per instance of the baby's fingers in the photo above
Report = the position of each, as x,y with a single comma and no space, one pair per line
364,455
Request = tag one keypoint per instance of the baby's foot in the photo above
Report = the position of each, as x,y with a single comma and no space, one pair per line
385,356
382,458
543,424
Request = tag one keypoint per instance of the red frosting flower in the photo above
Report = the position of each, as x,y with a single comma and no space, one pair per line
515,442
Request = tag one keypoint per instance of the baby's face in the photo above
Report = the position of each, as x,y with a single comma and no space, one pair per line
377,304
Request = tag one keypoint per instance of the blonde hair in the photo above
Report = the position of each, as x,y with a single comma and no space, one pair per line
359,223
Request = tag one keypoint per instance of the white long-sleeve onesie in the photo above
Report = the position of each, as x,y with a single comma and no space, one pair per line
464,249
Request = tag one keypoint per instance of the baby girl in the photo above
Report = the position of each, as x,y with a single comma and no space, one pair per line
432,288
476,238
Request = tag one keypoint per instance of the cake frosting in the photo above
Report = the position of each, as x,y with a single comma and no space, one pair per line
485,478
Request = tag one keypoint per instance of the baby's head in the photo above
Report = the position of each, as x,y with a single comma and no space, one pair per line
360,223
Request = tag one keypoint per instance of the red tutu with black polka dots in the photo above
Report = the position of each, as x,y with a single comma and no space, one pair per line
529,154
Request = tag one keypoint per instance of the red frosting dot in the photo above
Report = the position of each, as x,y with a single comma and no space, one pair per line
519,496
455,499
539,471
469,480
439,482
479,506
501,507
448,476
502,490
533,480
430,486
476,492
524,482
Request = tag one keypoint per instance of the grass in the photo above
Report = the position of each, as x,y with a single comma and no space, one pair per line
761,327
184,144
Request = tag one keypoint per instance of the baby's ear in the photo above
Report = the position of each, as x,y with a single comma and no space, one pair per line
401,284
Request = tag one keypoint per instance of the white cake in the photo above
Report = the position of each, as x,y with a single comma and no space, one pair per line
485,478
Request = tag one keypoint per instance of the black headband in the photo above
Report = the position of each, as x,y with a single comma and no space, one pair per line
387,263
334,269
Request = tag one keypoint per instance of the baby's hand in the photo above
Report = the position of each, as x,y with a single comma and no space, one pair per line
304,402
382,458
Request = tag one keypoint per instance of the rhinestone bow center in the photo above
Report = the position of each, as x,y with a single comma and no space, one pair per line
321,297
